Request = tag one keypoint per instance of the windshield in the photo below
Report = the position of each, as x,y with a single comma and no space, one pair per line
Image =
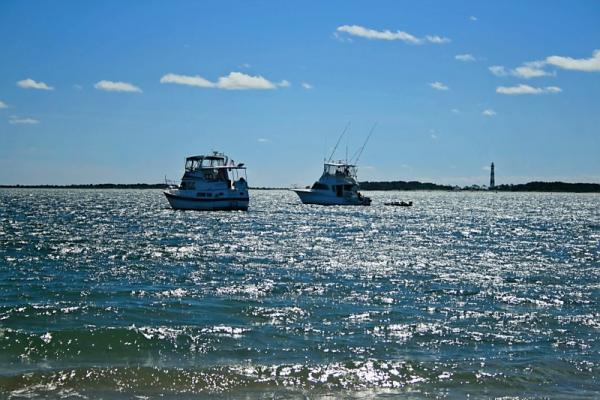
192,164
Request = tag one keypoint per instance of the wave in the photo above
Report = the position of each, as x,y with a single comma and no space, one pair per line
374,377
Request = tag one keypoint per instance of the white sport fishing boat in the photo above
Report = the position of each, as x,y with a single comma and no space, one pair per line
337,185
210,182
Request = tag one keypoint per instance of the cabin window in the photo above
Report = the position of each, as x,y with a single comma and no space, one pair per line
187,185
320,186
348,188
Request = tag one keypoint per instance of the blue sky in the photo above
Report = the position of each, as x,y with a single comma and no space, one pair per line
123,91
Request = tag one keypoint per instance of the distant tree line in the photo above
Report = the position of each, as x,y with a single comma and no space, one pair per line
550,187
93,186
402,185
524,187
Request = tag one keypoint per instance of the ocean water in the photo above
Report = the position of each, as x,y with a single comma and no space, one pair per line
111,294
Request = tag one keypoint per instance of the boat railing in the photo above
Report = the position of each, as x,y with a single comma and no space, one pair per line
171,184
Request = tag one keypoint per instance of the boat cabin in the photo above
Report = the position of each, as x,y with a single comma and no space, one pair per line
215,167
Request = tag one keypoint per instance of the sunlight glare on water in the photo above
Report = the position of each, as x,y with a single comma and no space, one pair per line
111,293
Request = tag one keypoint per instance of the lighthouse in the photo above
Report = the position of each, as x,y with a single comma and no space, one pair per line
492,179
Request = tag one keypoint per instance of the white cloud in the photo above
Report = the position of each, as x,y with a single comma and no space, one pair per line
307,86
577,64
473,18
262,140
111,86
528,70
437,39
434,136
31,84
14,120
455,111
519,89
361,31
3,104
488,113
240,81
535,69
439,86
553,89
464,57
233,81
367,33
187,80
498,70
532,69
526,89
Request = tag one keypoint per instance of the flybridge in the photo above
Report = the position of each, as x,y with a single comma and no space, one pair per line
339,168
215,160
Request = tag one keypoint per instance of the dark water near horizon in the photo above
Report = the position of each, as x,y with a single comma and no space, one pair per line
110,294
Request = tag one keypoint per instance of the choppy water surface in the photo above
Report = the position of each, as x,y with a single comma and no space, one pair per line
110,293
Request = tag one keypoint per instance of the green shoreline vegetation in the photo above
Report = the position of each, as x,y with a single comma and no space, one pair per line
523,187
385,185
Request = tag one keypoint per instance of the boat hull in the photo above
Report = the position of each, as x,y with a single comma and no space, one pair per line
219,204
308,196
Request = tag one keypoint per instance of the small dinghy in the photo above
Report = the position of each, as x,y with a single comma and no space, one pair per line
399,203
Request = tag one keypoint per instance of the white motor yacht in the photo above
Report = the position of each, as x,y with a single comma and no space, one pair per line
337,186
210,182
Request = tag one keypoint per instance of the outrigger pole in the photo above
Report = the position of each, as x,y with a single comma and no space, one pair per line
338,141
364,144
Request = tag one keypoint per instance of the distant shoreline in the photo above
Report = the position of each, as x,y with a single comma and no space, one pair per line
556,187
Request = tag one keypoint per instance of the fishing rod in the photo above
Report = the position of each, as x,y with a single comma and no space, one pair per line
360,151
338,141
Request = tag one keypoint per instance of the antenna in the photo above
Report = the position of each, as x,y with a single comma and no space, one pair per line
338,141
359,151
